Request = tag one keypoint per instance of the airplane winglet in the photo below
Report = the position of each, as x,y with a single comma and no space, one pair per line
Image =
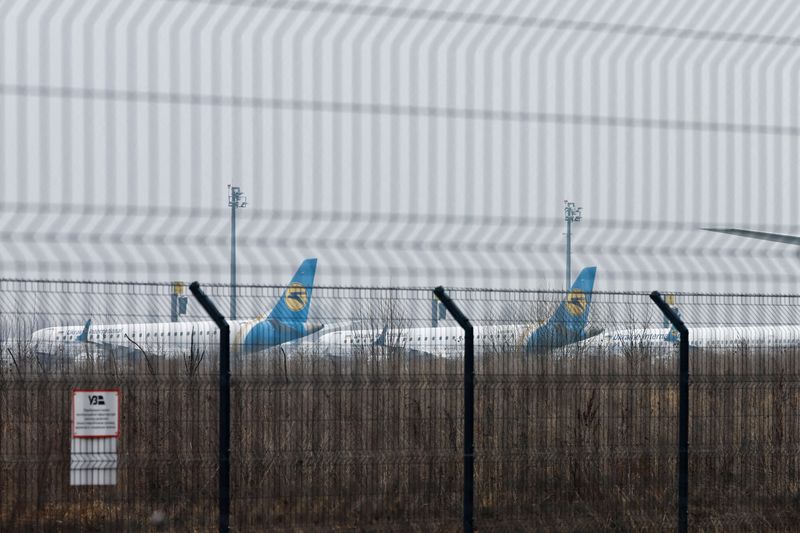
84,336
381,340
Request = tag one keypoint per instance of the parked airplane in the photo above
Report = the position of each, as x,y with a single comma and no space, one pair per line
706,337
286,322
567,325
709,337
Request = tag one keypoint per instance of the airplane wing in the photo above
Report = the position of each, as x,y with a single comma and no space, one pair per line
283,328
593,332
423,354
760,235
390,340
129,349
439,351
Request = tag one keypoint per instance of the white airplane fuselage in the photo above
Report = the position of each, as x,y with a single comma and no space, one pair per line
164,338
565,326
447,342
286,321
701,337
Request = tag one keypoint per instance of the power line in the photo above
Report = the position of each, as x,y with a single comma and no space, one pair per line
356,108
518,21
353,217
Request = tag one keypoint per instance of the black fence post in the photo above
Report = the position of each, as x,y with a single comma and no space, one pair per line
224,405
469,404
683,415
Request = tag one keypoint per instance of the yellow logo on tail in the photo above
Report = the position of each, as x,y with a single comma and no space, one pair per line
576,302
296,297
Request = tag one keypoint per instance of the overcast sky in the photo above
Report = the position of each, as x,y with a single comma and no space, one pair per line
411,143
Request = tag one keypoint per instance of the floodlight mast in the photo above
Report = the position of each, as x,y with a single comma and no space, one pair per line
571,214
236,200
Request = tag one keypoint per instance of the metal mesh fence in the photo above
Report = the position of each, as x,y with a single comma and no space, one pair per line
360,423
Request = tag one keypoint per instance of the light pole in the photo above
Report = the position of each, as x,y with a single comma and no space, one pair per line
571,214
236,199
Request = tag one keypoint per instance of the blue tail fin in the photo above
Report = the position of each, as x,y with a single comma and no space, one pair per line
568,322
574,309
287,320
673,335
296,299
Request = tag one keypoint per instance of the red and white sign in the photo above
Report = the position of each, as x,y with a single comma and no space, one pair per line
95,413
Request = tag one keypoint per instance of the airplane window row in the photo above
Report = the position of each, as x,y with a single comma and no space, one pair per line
140,335
402,339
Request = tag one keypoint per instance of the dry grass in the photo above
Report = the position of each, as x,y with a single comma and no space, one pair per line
567,441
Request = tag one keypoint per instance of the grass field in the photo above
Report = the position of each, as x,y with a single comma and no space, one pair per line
568,441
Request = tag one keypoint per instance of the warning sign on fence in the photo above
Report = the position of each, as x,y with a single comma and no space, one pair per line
95,431
95,413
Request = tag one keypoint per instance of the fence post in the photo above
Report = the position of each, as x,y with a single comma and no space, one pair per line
469,401
224,405
683,414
